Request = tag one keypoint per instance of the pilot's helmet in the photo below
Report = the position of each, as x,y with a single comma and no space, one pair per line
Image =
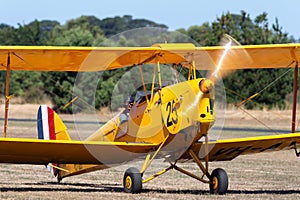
128,100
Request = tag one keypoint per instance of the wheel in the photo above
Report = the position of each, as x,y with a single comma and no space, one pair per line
132,180
219,181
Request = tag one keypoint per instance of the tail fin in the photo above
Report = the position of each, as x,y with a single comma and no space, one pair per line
51,127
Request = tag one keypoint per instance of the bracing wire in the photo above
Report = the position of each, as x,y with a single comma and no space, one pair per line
245,100
267,86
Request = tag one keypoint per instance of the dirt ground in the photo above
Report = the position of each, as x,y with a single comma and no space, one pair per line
261,176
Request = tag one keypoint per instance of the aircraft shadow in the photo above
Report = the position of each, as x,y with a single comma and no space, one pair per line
68,187
206,192
86,187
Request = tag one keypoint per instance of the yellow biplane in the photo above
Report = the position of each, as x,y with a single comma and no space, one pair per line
170,122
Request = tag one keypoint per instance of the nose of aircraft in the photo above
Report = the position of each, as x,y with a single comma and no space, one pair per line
205,85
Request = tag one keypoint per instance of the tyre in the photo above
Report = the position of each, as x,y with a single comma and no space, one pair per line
132,180
219,181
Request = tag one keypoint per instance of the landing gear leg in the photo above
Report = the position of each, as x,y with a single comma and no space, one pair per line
218,179
133,181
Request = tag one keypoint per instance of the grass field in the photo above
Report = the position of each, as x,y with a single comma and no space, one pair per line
264,176
261,176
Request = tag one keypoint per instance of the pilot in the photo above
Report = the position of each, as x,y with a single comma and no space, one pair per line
125,114
123,119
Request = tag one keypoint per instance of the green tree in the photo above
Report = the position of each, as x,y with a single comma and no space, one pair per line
8,35
59,87
115,25
202,34
248,82
71,37
82,31
27,84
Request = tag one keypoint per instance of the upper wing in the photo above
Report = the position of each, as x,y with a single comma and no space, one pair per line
47,58
34,151
229,149
255,56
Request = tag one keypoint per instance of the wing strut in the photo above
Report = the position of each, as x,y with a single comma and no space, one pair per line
295,98
7,97
295,88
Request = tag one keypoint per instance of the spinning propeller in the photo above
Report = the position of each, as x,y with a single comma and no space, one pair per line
230,54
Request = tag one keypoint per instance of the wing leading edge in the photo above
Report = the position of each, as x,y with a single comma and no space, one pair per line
228,149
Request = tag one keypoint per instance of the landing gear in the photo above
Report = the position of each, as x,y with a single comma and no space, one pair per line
219,182
132,180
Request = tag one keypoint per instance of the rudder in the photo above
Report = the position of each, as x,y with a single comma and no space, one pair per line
51,127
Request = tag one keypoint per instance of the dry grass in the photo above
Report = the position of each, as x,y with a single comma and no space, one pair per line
262,176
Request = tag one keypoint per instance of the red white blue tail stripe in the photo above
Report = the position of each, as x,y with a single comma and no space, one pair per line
46,127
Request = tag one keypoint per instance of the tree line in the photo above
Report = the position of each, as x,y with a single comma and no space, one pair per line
91,31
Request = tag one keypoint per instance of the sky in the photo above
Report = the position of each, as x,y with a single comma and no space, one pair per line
173,13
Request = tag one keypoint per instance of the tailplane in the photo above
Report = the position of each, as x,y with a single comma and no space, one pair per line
51,127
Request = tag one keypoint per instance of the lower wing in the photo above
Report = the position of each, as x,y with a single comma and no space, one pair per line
35,151
228,149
